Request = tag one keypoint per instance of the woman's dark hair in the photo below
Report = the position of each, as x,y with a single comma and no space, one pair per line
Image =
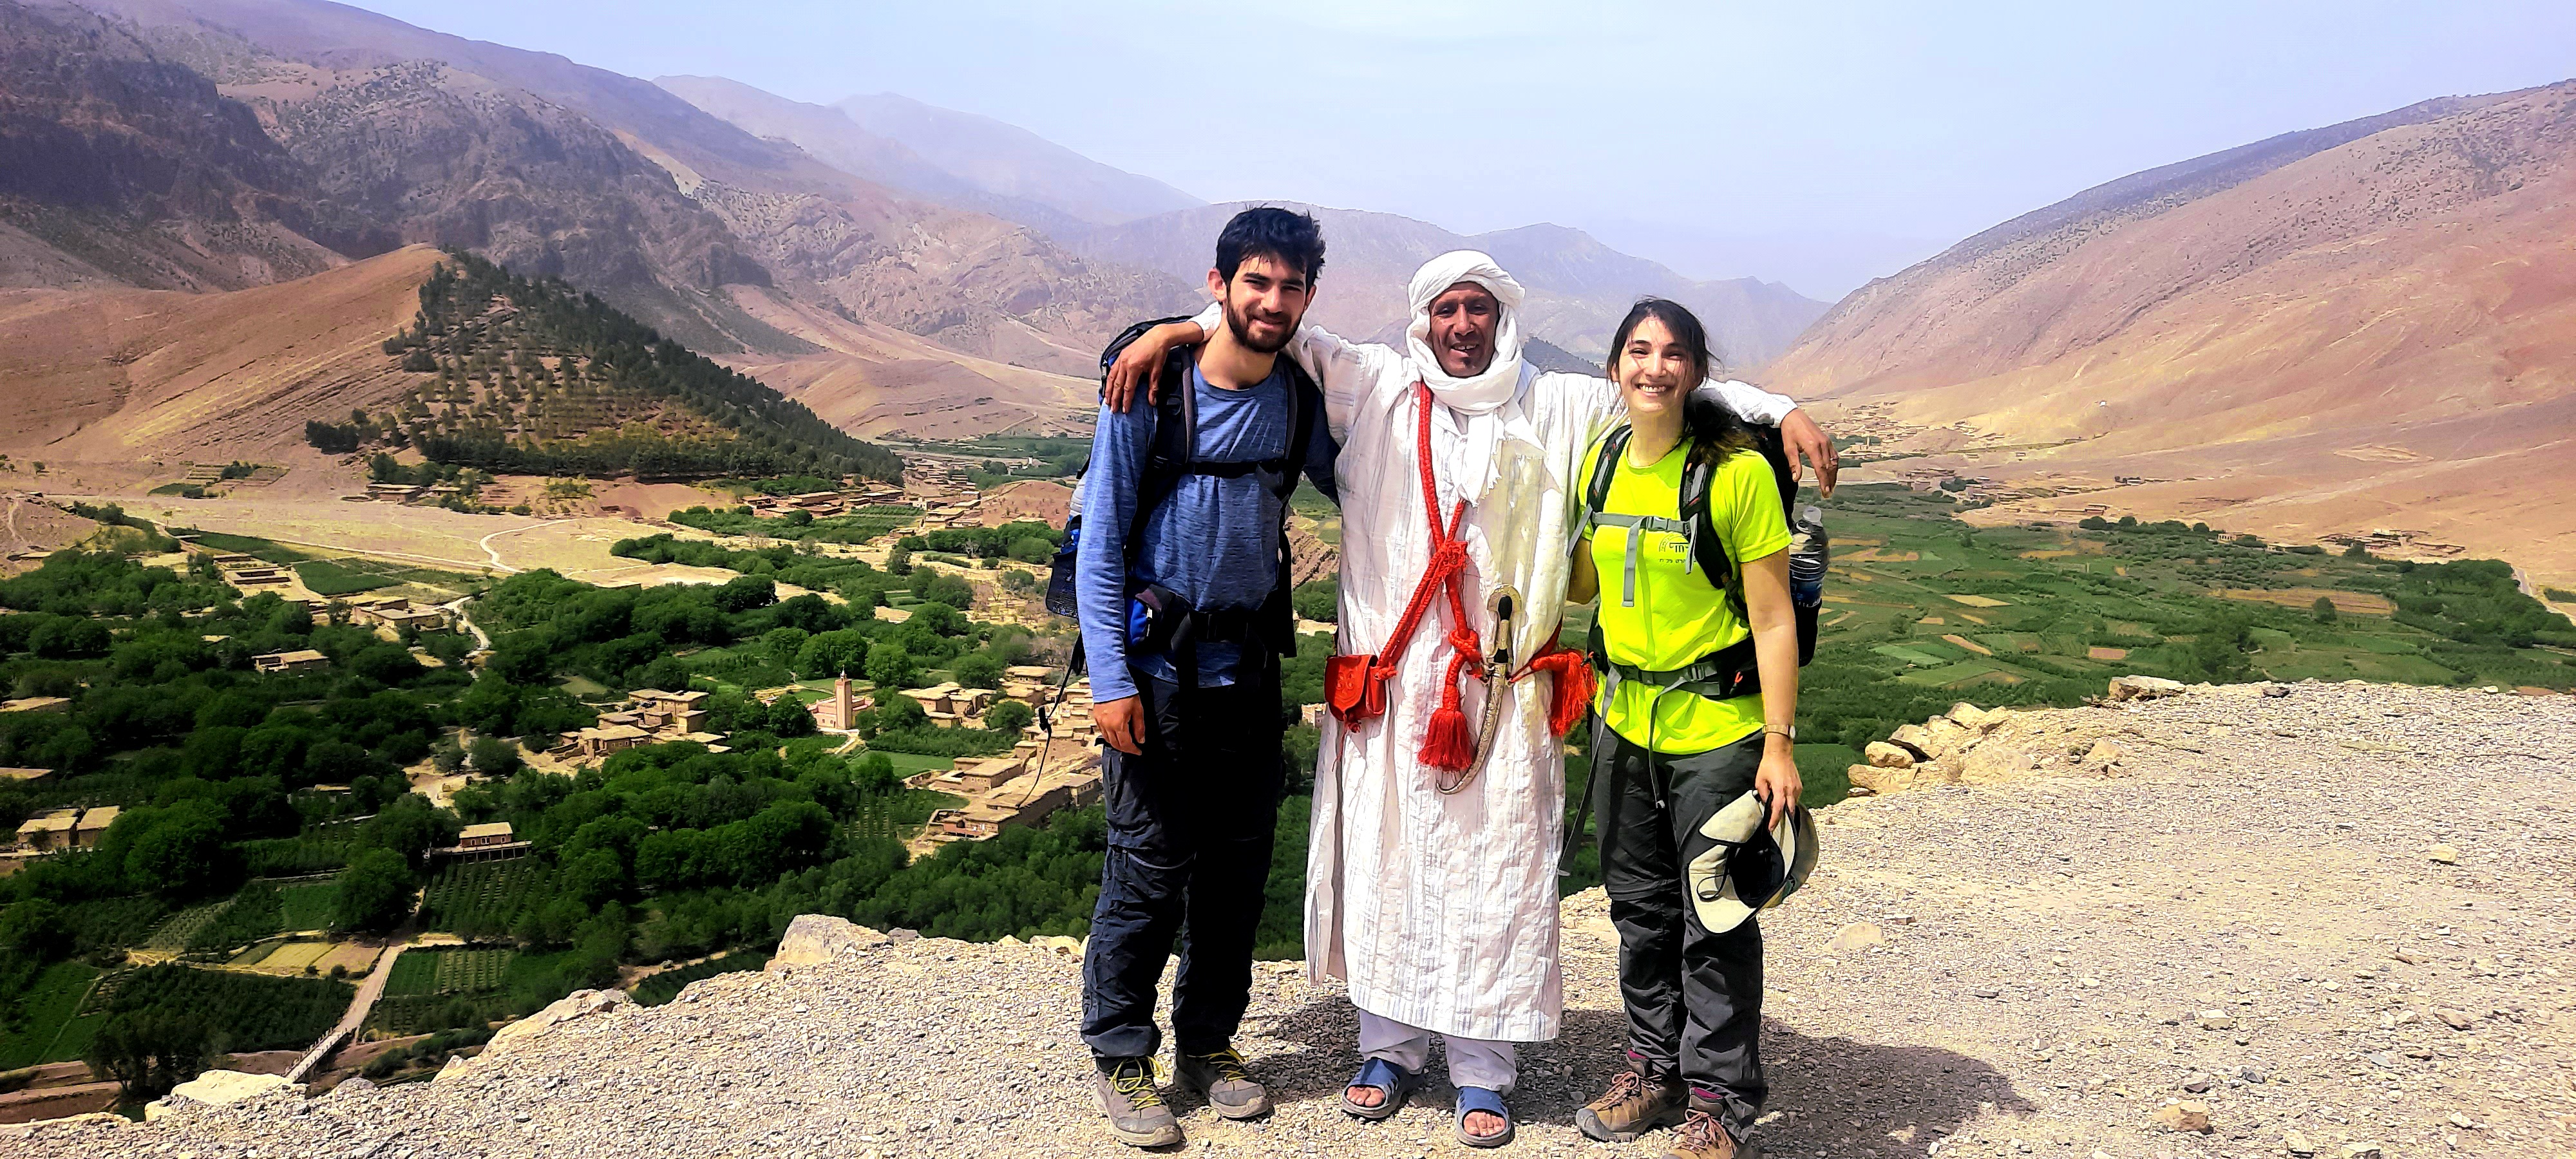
1714,431
1267,231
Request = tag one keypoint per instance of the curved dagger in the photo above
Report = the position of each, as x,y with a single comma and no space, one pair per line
1504,603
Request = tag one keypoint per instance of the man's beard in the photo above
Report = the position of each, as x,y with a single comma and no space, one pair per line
1242,328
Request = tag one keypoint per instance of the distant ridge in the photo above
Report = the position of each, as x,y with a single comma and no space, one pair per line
2365,326
1009,161
1579,288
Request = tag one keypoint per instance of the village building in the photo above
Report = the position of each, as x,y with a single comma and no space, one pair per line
1023,804
490,841
951,706
835,713
37,704
49,832
24,776
392,614
299,660
93,826
650,716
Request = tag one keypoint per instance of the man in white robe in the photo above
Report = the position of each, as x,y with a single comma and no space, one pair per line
1439,909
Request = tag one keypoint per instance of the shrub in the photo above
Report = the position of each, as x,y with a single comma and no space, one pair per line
1009,716
494,757
375,891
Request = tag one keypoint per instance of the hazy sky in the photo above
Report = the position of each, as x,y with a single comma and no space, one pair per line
1818,144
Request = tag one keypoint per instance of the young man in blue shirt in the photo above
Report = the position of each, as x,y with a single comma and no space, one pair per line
1180,576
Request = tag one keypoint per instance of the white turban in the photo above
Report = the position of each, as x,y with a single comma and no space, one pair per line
1479,393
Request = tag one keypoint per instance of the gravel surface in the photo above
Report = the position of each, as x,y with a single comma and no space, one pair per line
2248,926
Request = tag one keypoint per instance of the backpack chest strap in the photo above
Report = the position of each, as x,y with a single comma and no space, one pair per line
1641,523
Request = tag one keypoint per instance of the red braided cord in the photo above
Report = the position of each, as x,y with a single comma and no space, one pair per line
1448,558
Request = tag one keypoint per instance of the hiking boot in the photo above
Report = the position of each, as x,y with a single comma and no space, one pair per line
1225,1082
1634,1105
1137,1115
1704,1136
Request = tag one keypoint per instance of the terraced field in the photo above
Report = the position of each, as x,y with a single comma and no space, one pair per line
482,899
1922,609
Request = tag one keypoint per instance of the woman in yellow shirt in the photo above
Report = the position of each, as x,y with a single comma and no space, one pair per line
1673,750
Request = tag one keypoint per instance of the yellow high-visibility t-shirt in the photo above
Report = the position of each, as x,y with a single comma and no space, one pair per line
1679,616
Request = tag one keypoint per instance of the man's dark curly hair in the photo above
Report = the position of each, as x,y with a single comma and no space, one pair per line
1267,231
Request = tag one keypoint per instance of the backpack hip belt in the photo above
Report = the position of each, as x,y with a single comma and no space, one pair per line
1724,674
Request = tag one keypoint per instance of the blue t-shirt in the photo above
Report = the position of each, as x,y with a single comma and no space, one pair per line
1214,541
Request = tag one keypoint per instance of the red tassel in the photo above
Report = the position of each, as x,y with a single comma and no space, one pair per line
1571,688
1449,746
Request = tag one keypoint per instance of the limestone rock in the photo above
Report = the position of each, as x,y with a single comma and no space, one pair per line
1945,736
2185,1116
1856,937
2298,1144
1061,946
2443,854
2361,1151
1915,737
813,939
2125,688
2456,1020
1888,756
1973,718
576,1005
2216,1020
2104,756
1877,781
223,1088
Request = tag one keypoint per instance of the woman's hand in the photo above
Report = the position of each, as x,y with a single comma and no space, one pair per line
1143,360
1777,779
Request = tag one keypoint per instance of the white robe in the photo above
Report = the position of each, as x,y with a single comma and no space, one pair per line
1440,911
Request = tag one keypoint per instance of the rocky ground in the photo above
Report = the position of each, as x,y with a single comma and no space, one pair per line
2335,922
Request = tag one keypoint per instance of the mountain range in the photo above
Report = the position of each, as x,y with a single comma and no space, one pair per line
2370,325
898,265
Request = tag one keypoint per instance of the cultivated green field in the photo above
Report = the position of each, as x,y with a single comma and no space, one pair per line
1922,610
50,1025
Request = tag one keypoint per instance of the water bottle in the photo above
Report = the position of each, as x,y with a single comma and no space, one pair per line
1808,557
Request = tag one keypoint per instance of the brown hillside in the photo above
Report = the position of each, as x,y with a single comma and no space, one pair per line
763,210
871,379
120,376
120,166
1578,287
2369,328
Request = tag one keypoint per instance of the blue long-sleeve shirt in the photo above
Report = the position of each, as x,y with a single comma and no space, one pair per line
1215,541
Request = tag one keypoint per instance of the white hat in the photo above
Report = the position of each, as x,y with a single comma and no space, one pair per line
1749,861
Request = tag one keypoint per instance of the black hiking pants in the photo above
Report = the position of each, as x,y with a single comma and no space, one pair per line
1694,998
1190,826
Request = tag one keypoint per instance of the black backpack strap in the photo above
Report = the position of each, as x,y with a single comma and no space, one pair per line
1176,429
1605,468
1707,547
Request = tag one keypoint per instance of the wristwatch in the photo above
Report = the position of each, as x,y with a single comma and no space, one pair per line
1791,732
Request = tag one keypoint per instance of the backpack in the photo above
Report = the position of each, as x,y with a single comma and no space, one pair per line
1730,671
1172,625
